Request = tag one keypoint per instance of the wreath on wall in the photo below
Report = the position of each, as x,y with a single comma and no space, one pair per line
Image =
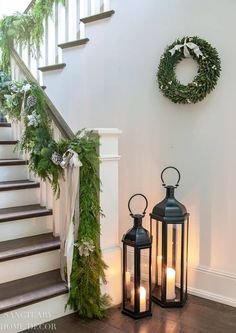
204,82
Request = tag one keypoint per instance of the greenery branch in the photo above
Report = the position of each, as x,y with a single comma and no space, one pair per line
24,101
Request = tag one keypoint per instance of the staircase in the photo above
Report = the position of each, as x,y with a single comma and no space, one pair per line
29,253
31,289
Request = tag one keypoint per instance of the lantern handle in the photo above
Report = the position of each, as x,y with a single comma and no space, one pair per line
146,201
179,176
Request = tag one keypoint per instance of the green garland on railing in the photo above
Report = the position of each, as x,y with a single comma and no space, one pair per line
25,101
26,29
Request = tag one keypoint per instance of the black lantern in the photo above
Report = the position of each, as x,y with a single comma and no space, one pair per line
169,226
137,268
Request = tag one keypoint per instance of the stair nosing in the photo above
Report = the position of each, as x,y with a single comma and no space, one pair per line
53,244
52,67
8,142
33,301
74,43
96,17
32,296
12,161
2,124
27,214
18,186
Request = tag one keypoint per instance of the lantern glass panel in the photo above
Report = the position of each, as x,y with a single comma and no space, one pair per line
144,294
157,259
173,264
129,279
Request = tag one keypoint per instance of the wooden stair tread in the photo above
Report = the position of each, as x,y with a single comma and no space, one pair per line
21,247
18,185
8,142
5,124
23,212
73,43
12,161
97,17
52,67
30,290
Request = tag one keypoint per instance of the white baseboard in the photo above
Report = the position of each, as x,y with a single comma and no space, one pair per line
213,284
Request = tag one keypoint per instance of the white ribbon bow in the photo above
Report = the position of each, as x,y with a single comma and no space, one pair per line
185,47
70,157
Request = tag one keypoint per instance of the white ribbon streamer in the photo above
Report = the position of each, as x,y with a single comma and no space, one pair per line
69,228
186,46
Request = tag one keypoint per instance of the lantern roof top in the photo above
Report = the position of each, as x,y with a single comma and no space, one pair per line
137,235
169,209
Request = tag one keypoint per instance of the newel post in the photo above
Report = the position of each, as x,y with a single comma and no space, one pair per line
110,242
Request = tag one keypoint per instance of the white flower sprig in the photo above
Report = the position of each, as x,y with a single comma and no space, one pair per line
26,87
33,119
85,247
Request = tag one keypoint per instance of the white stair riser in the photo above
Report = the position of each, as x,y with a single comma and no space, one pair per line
30,265
5,134
13,172
29,316
7,151
14,198
25,228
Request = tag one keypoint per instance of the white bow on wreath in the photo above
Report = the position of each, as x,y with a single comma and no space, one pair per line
186,46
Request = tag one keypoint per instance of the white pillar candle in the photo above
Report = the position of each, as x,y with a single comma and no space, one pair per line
159,268
170,283
132,297
142,299
127,283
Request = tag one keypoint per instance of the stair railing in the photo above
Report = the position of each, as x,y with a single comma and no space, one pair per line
63,26
60,130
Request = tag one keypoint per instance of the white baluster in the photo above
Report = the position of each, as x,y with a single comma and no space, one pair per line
85,8
106,5
77,19
56,15
95,7
51,39
67,21
72,24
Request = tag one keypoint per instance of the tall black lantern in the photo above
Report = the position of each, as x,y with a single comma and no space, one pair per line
137,268
169,226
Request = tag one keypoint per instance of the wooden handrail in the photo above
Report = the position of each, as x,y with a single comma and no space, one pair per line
53,113
32,2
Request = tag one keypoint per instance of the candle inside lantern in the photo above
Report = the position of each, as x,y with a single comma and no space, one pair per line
128,284
159,267
142,299
170,283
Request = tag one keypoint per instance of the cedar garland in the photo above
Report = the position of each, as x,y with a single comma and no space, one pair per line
85,296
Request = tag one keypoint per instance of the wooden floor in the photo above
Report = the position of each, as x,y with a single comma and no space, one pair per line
198,316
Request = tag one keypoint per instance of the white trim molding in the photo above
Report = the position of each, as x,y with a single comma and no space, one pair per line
109,157
213,284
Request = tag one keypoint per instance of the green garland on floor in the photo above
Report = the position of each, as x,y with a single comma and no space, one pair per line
208,73
26,29
25,101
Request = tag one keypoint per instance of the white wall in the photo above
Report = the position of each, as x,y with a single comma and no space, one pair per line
110,82
11,6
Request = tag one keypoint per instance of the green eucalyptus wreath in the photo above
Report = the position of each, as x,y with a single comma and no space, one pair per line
204,82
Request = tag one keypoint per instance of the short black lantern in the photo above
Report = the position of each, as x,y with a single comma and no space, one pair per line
137,268
169,226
